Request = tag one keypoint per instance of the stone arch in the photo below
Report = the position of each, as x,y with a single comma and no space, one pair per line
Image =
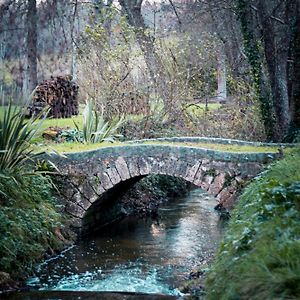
97,180
89,176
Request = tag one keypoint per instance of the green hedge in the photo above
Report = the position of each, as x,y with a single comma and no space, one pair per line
259,257
27,218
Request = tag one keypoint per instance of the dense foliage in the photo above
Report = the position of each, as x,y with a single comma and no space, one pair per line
28,218
145,196
260,252
28,214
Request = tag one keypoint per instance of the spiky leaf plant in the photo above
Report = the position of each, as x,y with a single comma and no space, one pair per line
96,129
16,133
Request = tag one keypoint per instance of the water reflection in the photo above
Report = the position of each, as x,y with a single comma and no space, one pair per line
140,255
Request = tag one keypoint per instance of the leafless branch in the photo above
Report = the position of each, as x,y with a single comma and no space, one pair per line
175,11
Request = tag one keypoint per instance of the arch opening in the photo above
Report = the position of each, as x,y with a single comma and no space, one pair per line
139,196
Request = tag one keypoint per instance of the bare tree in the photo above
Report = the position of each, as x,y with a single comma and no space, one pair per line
31,47
132,9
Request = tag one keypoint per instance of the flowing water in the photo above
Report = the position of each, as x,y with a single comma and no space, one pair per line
137,255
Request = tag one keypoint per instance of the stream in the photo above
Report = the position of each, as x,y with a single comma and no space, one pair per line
139,255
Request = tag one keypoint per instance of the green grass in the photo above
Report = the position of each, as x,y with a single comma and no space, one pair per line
259,256
62,123
219,147
52,122
78,147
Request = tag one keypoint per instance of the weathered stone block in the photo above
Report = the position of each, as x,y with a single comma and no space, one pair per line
122,168
198,177
80,200
227,199
144,166
206,182
105,181
191,171
133,166
217,184
113,175
180,169
75,210
155,163
75,222
95,184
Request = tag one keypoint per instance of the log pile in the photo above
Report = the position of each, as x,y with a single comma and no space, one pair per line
60,94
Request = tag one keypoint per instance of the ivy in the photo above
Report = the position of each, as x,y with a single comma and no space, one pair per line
254,55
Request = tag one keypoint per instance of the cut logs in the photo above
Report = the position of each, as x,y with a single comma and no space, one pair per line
60,94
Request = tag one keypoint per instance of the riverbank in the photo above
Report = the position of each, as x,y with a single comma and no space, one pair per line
31,227
259,256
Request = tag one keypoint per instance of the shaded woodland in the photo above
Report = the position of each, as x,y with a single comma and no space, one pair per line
163,62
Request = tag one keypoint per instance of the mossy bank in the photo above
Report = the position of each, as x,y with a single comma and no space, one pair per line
30,226
259,256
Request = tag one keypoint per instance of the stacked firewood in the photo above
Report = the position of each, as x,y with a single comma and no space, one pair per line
60,94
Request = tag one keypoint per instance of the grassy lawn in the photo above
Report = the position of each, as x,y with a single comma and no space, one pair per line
75,147
62,123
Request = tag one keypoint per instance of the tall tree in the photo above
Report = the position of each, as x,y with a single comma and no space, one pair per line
271,22
31,47
133,12
294,73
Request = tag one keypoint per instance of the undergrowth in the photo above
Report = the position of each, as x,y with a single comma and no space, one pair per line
259,256
28,217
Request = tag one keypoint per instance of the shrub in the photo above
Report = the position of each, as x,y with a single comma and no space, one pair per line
259,257
27,218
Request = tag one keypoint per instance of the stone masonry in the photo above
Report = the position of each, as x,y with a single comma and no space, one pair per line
92,176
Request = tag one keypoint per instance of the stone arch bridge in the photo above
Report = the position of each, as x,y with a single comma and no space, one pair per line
93,177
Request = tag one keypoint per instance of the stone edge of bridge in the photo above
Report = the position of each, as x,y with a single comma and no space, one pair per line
150,150
221,141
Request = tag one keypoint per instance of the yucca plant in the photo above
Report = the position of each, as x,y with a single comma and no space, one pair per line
96,129
15,135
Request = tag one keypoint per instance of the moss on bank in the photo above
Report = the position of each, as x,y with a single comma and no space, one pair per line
28,218
259,256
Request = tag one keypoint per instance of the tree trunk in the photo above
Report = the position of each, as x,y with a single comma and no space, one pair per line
256,60
134,16
276,53
31,43
132,9
221,75
73,49
294,73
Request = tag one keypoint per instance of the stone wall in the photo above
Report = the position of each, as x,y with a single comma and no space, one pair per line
93,177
